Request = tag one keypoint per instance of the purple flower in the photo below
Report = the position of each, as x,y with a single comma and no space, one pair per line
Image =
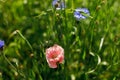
58,4
1,44
80,13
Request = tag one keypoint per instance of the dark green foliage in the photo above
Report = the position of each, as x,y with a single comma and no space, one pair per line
42,26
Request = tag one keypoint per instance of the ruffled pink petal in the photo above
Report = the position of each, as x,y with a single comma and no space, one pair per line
54,55
61,59
52,64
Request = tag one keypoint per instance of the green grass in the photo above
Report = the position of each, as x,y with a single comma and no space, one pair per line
92,45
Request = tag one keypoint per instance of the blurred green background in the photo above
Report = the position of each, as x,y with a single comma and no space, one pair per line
92,46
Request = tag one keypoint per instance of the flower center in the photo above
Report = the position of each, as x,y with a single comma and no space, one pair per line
57,4
54,56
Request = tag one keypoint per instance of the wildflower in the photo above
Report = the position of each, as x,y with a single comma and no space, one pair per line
58,4
1,44
80,13
54,55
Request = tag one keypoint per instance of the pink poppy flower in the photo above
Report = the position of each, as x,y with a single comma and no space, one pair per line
54,55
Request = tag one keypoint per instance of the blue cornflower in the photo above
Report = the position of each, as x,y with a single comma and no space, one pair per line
78,13
1,44
58,4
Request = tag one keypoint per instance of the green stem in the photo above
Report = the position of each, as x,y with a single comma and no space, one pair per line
12,64
72,4
65,17
25,39
9,62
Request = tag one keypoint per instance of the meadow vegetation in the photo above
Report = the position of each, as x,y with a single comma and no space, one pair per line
91,45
